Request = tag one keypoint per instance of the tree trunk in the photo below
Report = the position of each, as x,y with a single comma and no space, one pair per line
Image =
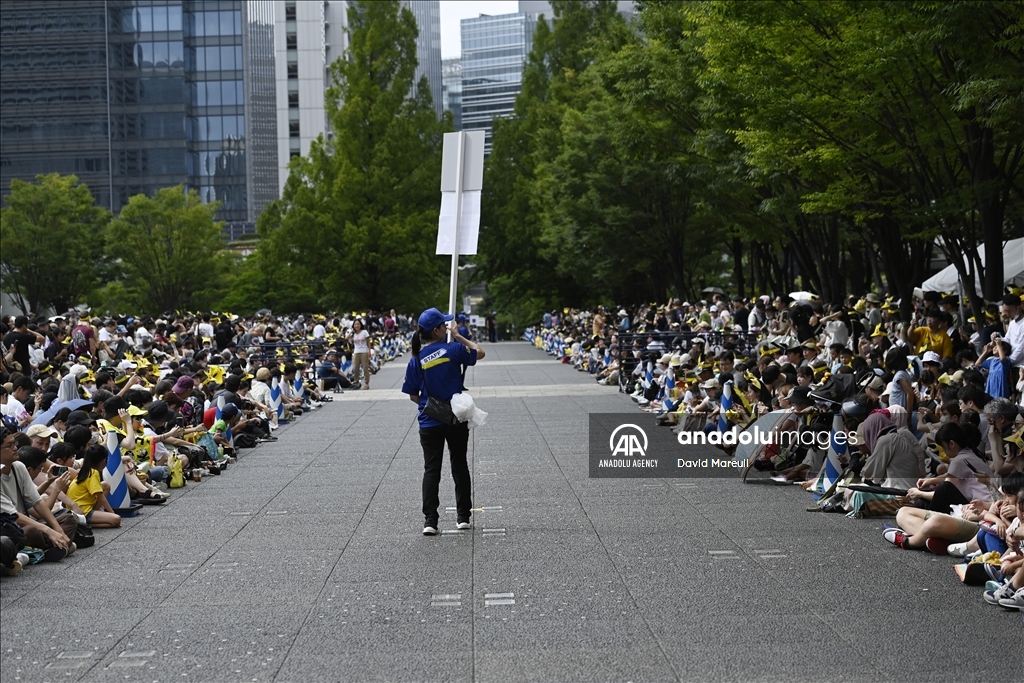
737,260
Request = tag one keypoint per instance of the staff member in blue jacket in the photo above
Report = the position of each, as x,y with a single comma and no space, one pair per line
435,369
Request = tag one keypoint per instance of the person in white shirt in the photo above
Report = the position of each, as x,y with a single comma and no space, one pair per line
319,331
205,329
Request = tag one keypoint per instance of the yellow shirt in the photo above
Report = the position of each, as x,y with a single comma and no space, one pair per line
925,340
85,494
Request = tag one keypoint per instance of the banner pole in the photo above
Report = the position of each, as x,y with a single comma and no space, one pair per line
454,283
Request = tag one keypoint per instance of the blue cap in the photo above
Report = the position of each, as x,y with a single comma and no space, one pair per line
462,317
433,318
228,411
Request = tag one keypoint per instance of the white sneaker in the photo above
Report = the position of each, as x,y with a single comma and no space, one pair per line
430,530
72,547
462,526
957,549
23,559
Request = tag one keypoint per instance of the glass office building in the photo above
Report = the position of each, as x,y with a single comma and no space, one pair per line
428,46
136,95
494,51
451,90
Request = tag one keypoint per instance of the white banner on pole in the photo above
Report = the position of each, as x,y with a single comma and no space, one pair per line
469,227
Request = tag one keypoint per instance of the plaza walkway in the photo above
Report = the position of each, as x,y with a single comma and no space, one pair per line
304,562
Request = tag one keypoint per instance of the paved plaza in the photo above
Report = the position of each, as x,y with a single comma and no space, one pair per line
304,562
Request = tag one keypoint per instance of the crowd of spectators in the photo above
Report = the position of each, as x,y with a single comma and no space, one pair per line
932,405
177,396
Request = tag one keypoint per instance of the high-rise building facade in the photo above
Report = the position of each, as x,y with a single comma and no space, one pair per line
136,95
451,89
428,46
309,36
494,53
494,50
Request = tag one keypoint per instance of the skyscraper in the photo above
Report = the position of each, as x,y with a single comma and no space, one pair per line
136,95
494,54
309,36
451,89
428,46
494,50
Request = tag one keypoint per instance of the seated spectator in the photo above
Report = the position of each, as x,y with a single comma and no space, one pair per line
90,493
19,496
1006,452
1010,595
967,478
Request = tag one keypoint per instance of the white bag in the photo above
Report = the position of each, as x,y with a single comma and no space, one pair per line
466,411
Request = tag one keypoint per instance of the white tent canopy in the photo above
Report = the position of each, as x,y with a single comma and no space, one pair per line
1013,270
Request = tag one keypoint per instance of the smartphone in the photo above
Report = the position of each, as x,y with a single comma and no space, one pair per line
179,421
58,470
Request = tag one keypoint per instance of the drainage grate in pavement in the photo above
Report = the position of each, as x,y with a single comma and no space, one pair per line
493,532
82,654
723,554
140,653
276,512
493,508
126,663
175,568
453,532
772,557
64,665
239,514
488,474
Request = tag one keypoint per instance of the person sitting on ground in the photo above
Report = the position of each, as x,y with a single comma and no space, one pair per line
330,373
967,478
90,493
894,459
1007,456
995,518
51,484
1011,594
19,496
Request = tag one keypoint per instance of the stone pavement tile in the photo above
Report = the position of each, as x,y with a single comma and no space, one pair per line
913,645
622,649
40,649
204,643
330,650
266,578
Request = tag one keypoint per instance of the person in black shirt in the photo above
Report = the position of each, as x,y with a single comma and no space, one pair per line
21,340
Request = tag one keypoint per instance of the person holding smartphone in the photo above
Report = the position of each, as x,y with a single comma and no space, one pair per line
435,371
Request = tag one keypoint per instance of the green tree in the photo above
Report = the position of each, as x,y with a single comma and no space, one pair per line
51,232
170,249
904,119
358,217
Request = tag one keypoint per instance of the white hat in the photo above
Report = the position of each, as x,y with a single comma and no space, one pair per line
78,370
710,384
714,308
931,357
126,365
622,311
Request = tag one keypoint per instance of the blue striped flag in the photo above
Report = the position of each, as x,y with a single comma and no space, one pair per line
832,468
220,408
276,404
723,422
114,473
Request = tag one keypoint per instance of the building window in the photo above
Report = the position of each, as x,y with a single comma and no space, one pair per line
291,42
293,129
293,100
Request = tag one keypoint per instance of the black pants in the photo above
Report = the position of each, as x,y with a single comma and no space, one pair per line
946,495
433,439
